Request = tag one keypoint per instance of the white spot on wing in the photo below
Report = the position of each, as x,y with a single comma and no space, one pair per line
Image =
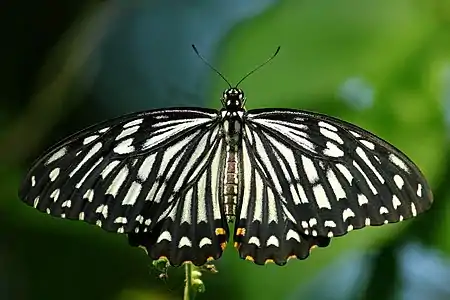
185,242
347,213
54,195
292,235
254,240
54,174
395,201
413,209
329,223
205,241
362,199
419,190
272,240
164,236
399,181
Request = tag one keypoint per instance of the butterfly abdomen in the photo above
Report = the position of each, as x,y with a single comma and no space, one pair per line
231,183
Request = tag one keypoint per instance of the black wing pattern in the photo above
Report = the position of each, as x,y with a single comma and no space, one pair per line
154,176
309,177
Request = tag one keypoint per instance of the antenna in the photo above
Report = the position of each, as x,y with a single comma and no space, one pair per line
260,66
209,65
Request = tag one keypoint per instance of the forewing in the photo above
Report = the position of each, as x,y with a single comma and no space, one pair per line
148,174
332,176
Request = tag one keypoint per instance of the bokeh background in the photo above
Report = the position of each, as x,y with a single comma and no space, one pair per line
384,65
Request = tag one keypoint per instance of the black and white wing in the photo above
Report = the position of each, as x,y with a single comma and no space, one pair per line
308,177
152,175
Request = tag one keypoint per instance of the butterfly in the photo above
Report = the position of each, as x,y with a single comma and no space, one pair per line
174,180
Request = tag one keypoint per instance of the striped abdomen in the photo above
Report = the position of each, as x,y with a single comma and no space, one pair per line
231,182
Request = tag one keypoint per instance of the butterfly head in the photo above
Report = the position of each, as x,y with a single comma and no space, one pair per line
233,98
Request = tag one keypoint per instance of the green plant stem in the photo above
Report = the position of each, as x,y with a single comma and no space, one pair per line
188,291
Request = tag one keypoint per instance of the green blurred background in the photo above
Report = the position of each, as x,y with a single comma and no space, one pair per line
384,65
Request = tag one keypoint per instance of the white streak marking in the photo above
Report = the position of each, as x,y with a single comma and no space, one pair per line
132,194
321,197
127,132
91,153
146,167
369,183
133,123
333,150
367,161
90,139
80,183
57,155
344,170
335,185
310,169
398,162
331,135
327,126
113,189
186,214
201,201
33,181
258,212
109,168
36,202
272,207
368,144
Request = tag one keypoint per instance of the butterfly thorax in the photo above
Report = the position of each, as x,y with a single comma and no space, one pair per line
232,118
